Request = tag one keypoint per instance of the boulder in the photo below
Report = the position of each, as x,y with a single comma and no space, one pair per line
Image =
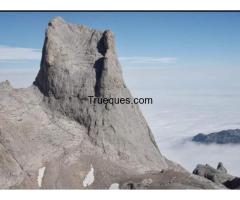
218,176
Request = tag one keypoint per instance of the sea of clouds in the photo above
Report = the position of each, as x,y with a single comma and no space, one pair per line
186,101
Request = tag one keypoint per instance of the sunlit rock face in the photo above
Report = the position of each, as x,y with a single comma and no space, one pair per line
79,62
51,136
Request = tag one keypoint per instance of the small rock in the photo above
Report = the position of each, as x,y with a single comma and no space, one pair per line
221,168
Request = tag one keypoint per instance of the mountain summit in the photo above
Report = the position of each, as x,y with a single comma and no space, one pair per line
52,136
79,62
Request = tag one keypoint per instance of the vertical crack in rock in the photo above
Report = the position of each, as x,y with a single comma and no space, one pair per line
101,46
98,66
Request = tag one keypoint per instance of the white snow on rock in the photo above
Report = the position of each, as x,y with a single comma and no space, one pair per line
40,176
89,179
114,186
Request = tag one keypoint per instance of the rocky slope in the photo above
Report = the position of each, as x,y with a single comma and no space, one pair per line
221,137
218,176
51,136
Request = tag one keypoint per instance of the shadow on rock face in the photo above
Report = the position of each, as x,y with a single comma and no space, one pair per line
233,184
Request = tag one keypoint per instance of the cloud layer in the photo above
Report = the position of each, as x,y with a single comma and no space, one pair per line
8,53
11,54
188,101
147,60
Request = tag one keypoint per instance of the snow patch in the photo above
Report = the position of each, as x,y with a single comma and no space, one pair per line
89,179
40,176
114,186
147,182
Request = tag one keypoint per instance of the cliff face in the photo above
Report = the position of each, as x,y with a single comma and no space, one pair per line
51,136
79,62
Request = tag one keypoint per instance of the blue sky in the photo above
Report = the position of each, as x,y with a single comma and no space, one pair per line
160,39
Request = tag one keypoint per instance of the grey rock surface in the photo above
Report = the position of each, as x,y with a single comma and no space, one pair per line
168,179
51,136
215,175
218,176
79,62
221,168
221,137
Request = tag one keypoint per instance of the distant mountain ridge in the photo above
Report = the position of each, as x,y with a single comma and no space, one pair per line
231,136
